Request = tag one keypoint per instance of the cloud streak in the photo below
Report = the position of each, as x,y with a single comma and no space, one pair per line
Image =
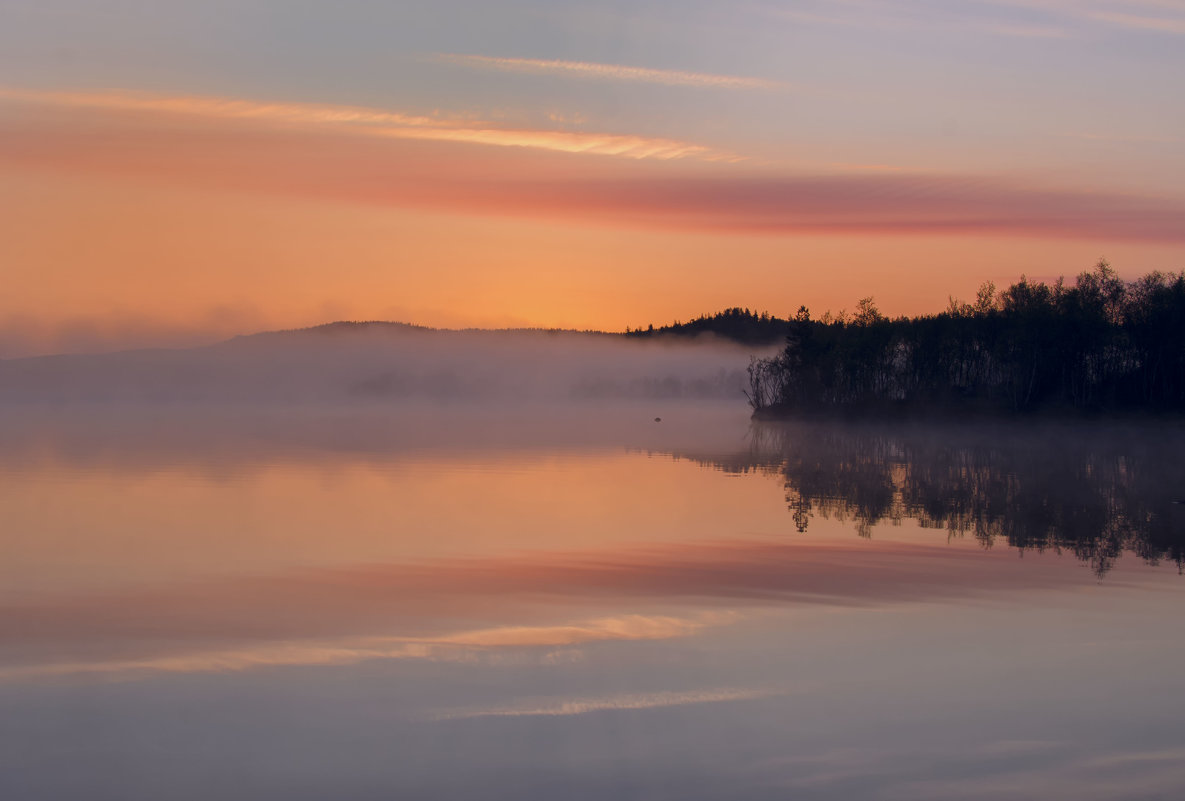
927,15
360,120
1042,19
1163,16
329,162
609,72
1161,24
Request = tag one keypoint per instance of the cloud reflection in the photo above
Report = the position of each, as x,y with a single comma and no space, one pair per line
476,646
410,611
582,706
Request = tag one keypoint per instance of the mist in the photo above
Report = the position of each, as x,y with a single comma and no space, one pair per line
384,363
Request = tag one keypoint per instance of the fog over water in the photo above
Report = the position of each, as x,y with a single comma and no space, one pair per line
378,562
387,361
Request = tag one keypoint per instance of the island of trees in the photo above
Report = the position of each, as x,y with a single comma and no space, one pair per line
1099,344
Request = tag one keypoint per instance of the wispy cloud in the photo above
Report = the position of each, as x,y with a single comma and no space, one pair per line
374,122
1123,138
582,706
1160,23
933,15
1166,16
610,72
1046,19
225,108
320,161
634,147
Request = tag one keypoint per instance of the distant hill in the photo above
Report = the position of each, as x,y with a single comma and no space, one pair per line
345,328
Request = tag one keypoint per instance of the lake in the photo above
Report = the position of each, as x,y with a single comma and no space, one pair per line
427,600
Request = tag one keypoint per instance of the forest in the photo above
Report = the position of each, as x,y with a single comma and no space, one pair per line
1099,344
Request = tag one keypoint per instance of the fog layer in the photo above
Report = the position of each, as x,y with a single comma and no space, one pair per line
362,362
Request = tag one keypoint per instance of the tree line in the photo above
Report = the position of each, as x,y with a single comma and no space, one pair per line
1098,344
736,324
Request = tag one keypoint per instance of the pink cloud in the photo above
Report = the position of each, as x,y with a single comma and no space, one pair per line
270,156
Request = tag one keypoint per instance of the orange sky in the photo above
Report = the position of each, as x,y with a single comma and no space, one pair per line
135,218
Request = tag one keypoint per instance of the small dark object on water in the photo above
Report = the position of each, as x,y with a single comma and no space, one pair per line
658,419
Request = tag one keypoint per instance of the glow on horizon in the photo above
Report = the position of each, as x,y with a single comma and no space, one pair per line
674,162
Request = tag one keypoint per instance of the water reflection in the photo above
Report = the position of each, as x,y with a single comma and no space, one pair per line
1093,490
409,602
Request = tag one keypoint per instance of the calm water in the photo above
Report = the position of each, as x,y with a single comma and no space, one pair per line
585,603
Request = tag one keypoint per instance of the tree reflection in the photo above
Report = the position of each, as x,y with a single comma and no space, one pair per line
1095,491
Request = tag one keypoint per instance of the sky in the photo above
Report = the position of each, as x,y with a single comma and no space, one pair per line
175,172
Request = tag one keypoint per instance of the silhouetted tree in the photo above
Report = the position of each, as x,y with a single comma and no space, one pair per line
737,324
1099,344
